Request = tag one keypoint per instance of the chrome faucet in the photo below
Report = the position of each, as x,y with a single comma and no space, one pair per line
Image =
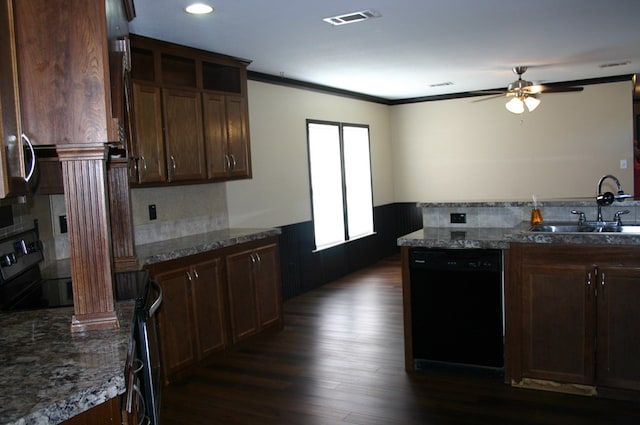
607,198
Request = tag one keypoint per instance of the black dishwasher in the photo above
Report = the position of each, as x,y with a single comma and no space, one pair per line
456,307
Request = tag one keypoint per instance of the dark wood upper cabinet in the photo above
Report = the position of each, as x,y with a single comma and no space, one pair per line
63,53
190,108
13,173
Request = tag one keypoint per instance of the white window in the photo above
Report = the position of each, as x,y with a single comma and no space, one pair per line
340,172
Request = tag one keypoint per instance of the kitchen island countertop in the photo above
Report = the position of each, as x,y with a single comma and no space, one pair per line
48,374
502,237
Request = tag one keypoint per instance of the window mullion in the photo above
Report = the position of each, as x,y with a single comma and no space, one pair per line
344,185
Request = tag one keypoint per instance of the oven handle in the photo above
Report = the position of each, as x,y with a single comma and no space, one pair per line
158,300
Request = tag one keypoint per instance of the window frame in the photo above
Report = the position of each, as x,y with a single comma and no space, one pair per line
340,126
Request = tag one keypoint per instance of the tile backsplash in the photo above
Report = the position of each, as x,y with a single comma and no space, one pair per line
181,211
509,214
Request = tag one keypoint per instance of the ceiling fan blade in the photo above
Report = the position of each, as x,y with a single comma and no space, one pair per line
487,92
560,89
483,98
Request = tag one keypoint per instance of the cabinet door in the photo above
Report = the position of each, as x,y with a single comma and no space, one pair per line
12,170
238,136
175,318
64,72
208,304
242,295
618,355
215,135
267,283
148,142
184,138
558,305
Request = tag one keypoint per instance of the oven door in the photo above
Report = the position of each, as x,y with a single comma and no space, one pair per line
147,351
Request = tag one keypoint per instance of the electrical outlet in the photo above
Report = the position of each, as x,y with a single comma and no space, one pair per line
63,223
152,212
458,217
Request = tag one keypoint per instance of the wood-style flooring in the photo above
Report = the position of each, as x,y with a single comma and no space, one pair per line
339,361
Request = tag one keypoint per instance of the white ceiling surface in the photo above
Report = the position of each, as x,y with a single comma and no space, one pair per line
416,43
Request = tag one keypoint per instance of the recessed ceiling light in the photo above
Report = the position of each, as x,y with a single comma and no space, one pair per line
199,9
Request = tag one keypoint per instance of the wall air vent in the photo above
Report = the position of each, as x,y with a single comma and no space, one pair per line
447,83
614,64
350,18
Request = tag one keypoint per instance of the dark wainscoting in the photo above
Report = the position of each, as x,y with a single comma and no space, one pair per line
303,269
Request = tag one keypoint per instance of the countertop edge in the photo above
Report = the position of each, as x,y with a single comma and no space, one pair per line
503,237
172,249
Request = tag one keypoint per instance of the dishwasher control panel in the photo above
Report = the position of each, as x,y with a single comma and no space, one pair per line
456,259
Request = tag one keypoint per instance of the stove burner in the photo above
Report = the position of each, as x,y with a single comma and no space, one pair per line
21,284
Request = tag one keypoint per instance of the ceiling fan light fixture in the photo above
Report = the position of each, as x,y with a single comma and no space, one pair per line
531,103
515,105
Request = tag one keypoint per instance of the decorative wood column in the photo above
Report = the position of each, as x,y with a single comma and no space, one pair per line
125,262
85,193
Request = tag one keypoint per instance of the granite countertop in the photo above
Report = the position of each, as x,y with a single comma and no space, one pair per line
48,374
501,237
189,245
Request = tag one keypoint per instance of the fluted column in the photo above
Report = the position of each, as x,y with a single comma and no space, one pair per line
84,176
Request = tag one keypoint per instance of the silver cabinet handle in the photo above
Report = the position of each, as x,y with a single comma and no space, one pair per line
195,273
173,163
144,163
189,277
227,163
33,157
233,165
258,257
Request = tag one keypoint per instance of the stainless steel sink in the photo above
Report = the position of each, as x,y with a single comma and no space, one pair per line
562,228
625,228
585,228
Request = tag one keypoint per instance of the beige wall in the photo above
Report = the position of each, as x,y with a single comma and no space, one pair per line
278,194
464,150
453,150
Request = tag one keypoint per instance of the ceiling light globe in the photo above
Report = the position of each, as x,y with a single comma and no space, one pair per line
531,102
515,105
199,9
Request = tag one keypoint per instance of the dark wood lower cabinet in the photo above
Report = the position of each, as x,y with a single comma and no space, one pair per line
105,413
572,315
254,290
558,339
215,299
618,353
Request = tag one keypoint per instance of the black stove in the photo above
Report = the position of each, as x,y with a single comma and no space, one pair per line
21,284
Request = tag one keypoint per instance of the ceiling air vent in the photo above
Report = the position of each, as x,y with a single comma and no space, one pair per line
350,18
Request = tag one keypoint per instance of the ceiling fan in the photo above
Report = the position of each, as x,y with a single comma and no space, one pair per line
524,93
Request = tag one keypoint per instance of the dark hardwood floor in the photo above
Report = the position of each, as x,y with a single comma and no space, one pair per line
339,360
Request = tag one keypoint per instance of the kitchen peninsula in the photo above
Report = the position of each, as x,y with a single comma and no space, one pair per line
50,375
570,320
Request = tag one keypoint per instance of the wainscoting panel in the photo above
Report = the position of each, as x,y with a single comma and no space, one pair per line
304,269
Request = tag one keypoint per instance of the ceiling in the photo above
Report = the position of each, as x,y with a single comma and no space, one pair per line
414,45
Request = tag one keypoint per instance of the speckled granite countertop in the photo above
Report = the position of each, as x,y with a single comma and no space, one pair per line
500,238
48,374
189,245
